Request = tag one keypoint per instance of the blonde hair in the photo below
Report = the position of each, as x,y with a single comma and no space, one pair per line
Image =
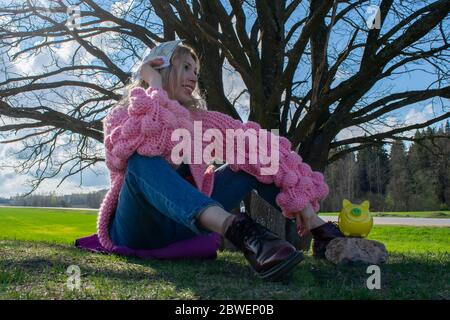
171,78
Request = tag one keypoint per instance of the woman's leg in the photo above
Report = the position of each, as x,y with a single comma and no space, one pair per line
156,205
269,256
152,181
152,211
231,187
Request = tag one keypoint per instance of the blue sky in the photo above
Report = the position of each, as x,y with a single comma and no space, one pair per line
13,183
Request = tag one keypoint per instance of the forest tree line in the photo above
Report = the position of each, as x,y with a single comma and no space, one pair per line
416,179
75,200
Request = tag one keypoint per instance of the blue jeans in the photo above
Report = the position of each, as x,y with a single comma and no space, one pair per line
157,206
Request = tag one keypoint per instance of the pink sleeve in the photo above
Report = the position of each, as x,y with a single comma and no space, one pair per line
144,126
298,184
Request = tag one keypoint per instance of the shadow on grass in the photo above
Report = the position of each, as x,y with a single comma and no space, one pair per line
30,264
40,261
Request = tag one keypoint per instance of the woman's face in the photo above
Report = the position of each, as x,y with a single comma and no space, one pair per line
183,93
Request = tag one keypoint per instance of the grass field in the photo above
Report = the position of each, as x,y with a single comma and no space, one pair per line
52,225
36,248
411,214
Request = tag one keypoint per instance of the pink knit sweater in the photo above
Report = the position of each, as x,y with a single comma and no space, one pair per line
145,127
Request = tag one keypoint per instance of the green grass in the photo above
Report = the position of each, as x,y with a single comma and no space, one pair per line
406,239
53,225
36,250
409,214
34,270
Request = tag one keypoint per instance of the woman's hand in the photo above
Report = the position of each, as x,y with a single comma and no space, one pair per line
302,225
150,75
303,220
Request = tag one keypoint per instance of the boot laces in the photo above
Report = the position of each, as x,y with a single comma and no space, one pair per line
252,229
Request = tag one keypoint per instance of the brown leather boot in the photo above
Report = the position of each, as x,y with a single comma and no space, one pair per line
269,256
322,236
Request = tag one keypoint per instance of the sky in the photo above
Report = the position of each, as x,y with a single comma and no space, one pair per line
97,178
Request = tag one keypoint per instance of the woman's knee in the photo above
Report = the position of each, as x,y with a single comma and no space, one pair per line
143,164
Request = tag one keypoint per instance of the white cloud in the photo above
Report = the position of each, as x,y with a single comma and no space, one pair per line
66,50
233,86
415,116
108,42
371,128
32,64
12,183
120,8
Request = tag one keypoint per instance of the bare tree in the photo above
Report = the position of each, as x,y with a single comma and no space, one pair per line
310,68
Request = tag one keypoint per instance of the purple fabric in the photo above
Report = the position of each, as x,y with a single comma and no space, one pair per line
199,247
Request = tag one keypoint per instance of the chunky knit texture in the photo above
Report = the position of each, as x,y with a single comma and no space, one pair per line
145,127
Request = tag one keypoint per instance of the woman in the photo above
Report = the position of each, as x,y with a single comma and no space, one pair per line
154,202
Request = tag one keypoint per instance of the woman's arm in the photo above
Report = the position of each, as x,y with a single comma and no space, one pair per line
299,185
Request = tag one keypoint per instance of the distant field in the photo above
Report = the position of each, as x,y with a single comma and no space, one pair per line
64,226
411,214
52,225
408,239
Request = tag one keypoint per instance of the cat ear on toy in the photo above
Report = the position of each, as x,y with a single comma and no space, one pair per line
365,204
346,203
